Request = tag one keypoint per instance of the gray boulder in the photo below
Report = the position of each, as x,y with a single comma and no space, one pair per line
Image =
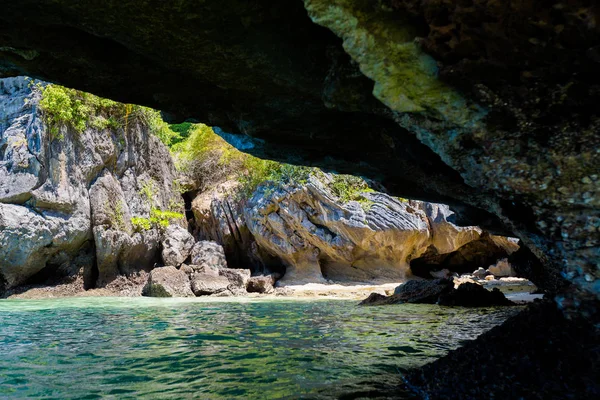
208,253
261,284
167,282
205,284
237,277
177,245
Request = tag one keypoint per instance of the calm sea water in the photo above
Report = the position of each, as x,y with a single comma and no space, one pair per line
89,348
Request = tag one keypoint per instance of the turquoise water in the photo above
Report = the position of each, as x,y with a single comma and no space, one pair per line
252,349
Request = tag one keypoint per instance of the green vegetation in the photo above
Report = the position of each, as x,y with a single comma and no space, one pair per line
148,190
351,188
64,107
116,215
198,152
141,224
158,219
209,159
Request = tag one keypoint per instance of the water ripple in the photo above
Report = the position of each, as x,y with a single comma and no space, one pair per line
171,348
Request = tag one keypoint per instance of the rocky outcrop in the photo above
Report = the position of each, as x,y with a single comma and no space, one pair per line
167,282
71,192
318,236
470,294
442,292
538,345
495,117
415,291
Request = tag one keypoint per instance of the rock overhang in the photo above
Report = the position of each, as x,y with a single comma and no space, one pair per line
495,119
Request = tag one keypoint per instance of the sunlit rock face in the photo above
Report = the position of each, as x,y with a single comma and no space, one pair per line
489,107
74,194
318,237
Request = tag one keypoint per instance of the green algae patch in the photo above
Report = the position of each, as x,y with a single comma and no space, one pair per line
384,47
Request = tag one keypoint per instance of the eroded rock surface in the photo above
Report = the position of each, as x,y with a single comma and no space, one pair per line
76,192
207,284
489,107
177,245
208,253
167,282
317,236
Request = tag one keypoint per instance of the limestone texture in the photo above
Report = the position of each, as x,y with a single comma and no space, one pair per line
177,245
167,282
75,194
318,237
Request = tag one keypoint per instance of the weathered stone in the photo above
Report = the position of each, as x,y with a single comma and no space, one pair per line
68,189
167,282
207,253
177,245
237,277
412,88
415,291
260,284
187,269
502,268
473,295
480,273
205,269
205,284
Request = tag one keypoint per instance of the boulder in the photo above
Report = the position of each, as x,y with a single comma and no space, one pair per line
417,291
177,245
414,291
260,284
167,282
502,269
205,284
208,253
374,299
480,273
237,277
473,295
205,269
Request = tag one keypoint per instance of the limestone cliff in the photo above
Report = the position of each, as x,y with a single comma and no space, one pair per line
487,105
317,236
67,198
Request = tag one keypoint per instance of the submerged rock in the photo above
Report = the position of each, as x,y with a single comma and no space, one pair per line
167,282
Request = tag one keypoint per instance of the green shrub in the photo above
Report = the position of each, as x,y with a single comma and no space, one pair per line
162,218
158,219
141,224
64,107
148,190
351,188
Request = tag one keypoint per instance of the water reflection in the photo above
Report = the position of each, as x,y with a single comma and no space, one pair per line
130,348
